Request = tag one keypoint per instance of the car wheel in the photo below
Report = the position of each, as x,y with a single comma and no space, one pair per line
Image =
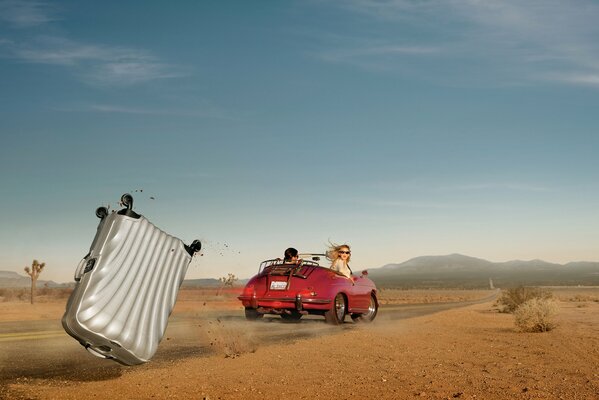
252,314
369,315
336,314
293,317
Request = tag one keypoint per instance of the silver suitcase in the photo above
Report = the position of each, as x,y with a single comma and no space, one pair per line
126,286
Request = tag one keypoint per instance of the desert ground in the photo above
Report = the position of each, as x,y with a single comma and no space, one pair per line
422,345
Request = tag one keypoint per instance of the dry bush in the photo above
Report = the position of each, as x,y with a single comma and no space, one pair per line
511,299
578,294
579,298
536,315
45,294
13,294
417,296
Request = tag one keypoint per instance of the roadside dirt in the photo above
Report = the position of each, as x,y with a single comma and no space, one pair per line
469,353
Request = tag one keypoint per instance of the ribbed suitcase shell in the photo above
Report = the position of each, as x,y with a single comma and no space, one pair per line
119,309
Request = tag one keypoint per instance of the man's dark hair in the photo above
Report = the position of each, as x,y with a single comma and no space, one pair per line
289,254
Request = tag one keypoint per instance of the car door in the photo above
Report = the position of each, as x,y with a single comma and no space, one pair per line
360,293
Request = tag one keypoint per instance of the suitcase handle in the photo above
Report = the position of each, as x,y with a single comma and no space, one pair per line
84,266
79,270
97,352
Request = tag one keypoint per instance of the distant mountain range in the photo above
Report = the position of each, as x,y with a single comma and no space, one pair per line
456,270
12,279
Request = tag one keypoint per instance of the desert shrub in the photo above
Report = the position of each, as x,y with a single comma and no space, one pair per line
536,315
63,293
44,291
511,299
580,298
13,294
45,294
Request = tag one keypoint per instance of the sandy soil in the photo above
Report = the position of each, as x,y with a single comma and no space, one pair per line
472,352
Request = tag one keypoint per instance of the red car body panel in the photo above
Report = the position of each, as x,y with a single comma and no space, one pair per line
305,287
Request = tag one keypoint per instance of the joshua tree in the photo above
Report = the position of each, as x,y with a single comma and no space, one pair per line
228,280
34,272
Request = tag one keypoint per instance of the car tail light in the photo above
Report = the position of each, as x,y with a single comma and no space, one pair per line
248,290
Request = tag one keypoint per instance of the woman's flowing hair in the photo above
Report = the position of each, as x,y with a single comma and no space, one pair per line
333,251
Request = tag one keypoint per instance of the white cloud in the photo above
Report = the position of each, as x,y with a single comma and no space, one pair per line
520,187
415,187
577,79
510,41
201,111
25,14
132,71
94,63
411,204
98,64
375,50
122,110
60,51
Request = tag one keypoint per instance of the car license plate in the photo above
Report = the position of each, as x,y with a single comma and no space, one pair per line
278,285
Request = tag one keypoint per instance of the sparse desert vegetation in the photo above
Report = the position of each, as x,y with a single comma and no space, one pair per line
534,308
425,296
13,294
43,294
511,299
576,294
34,272
536,315
468,353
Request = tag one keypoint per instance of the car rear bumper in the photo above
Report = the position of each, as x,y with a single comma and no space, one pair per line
275,304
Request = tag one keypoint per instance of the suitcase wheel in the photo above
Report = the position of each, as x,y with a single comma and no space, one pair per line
193,248
196,246
127,200
101,212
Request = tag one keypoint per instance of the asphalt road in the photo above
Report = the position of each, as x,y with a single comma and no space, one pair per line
41,349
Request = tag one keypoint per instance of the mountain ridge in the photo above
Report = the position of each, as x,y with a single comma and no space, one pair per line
457,270
451,270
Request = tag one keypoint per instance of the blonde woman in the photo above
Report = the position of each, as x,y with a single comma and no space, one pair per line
340,256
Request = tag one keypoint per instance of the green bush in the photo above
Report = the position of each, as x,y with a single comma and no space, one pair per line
511,299
536,315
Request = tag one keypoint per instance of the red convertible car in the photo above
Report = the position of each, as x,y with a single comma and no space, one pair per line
293,290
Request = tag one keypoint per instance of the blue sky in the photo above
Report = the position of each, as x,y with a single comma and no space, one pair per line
404,128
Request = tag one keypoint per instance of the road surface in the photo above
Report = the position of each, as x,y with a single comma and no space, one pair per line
41,349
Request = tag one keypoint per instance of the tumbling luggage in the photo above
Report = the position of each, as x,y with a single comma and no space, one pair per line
126,286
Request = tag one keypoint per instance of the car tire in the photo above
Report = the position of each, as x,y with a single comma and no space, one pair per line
251,314
370,315
336,315
293,317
